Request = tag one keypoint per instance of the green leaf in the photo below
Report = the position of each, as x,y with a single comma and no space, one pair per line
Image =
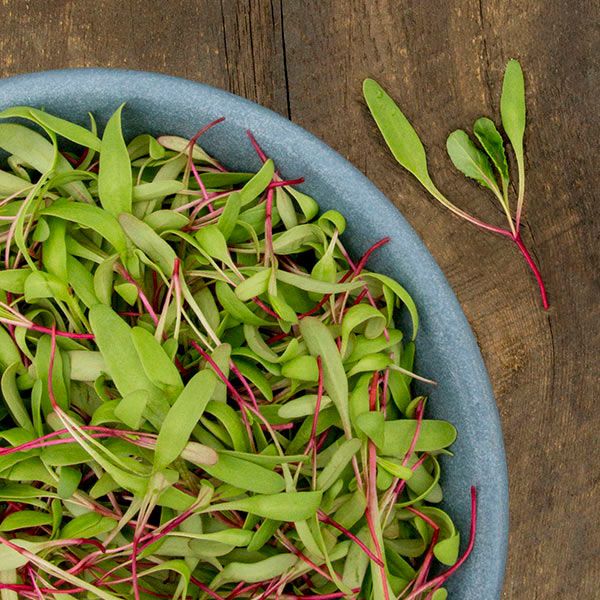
301,368
64,455
434,435
127,291
255,376
366,317
213,242
337,463
357,562
13,280
255,285
447,550
285,208
398,133
230,214
235,307
157,365
149,242
82,282
303,406
130,409
491,141
103,280
512,107
321,343
12,398
9,352
115,185
156,190
92,217
395,468
298,239
12,184
231,421
35,150
113,338
12,559
25,519
246,475
289,506
68,482
309,284
88,525
257,185
262,570
40,284
402,295
66,129
471,161
182,417
372,424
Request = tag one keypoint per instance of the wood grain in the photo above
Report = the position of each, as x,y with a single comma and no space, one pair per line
443,62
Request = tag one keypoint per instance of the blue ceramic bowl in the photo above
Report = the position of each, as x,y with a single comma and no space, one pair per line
447,350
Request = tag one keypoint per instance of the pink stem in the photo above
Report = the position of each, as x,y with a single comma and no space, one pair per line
327,519
443,577
206,589
265,307
536,273
423,572
284,182
238,397
257,148
191,159
147,304
65,334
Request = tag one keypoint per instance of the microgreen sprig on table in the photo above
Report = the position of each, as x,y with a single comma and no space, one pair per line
204,395
486,164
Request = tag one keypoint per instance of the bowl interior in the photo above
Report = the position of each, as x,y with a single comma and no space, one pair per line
446,348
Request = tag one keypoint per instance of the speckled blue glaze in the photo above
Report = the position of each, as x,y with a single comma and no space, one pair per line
447,350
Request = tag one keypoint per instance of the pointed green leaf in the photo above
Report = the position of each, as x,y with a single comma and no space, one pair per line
471,161
159,368
397,132
25,519
320,342
115,185
491,141
512,106
182,418
68,130
246,475
289,506
338,462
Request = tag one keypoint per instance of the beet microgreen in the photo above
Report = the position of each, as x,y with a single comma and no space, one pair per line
484,166
203,394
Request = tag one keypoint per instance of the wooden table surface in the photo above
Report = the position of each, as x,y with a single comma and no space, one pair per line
443,61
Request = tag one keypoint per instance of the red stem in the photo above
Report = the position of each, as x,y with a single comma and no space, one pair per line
536,272
327,519
443,577
257,148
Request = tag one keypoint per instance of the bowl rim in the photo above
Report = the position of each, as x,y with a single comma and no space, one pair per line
486,571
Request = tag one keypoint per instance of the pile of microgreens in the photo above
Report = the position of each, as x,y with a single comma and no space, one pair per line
475,162
203,394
